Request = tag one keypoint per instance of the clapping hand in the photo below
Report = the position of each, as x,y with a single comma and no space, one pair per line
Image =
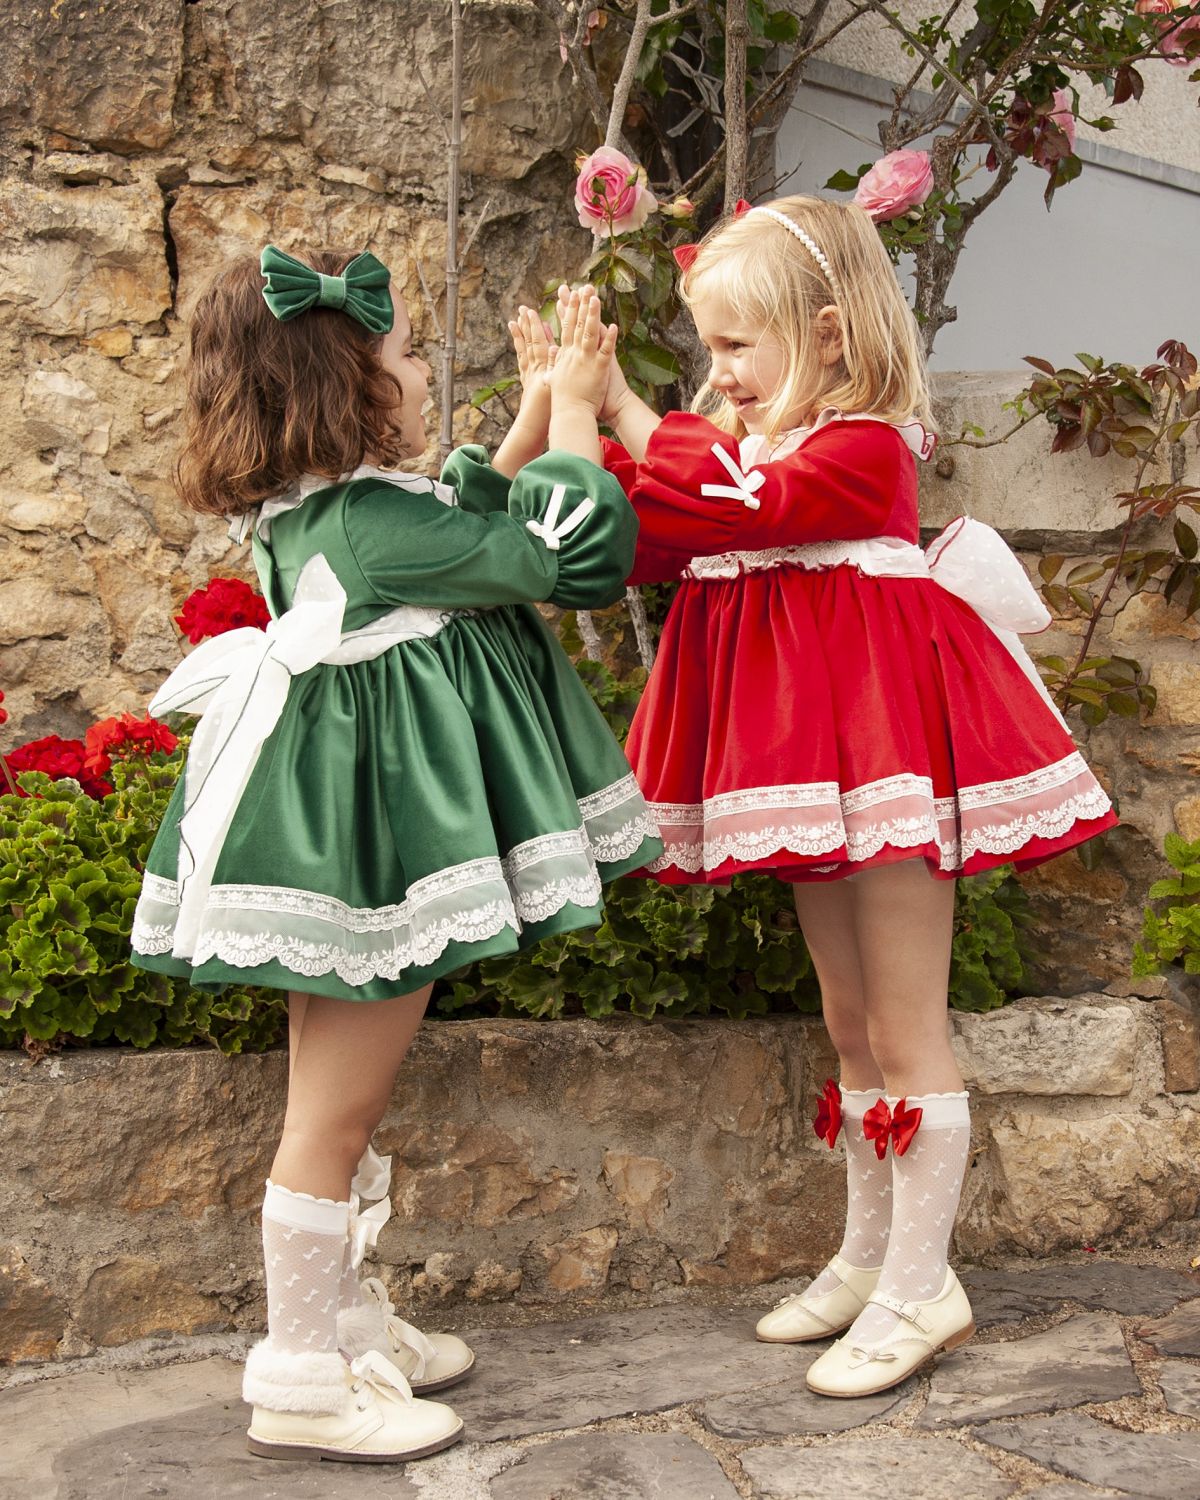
580,368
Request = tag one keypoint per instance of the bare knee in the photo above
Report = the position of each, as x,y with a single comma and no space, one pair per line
846,1023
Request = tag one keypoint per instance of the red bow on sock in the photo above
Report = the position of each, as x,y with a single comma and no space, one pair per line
829,1113
881,1125
686,254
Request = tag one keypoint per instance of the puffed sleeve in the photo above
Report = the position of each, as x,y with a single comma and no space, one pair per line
412,548
479,487
651,564
691,494
583,514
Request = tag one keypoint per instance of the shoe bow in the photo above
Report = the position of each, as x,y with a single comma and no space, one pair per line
377,1371
400,1334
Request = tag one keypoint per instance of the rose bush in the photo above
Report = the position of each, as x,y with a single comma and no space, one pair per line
897,182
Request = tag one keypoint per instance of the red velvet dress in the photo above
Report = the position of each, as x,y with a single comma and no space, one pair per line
820,703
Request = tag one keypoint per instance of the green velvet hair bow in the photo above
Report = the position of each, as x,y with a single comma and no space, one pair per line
361,290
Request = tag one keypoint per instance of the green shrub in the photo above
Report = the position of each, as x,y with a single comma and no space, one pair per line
1172,936
70,873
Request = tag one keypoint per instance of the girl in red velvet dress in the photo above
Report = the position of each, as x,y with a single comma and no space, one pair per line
834,706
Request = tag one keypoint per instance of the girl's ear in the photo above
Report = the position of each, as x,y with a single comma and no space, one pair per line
829,334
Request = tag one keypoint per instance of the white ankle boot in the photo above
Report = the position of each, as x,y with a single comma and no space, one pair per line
315,1406
428,1362
854,1368
806,1316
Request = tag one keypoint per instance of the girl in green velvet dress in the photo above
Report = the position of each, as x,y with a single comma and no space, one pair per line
401,775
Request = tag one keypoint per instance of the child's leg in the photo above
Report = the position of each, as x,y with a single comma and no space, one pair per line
904,921
827,919
343,1068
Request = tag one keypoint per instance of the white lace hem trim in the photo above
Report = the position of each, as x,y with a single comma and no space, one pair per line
816,820
309,933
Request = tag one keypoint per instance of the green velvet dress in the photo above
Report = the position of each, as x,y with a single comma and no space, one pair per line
453,796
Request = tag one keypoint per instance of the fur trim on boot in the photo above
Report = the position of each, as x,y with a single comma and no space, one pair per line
361,1328
314,1384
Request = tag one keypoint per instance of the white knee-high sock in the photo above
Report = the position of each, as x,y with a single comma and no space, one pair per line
304,1243
926,1186
868,1192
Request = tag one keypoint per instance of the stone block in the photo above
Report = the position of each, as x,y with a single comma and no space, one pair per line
866,1469
32,1319
1187,818
76,260
1150,616
132,1298
1151,1465
640,1185
1177,1333
792,1410
1109,1285
1079,1361
61,411
667,1465
107,74
1054,1183
1180,1384
581,1264
1178,685
1179,1028
1082,1046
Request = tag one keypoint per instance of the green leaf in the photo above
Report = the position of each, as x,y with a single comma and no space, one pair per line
652,364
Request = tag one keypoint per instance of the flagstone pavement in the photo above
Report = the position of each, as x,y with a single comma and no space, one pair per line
1084,1380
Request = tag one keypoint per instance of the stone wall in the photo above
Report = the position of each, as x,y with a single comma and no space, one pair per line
142,145
560,1163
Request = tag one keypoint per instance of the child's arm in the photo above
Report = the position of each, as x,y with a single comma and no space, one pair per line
526,438
841,484
628,415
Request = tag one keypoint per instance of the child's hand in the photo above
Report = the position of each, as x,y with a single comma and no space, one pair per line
580,367
532,343
618,387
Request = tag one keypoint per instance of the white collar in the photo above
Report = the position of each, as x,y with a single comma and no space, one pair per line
755,448
308,484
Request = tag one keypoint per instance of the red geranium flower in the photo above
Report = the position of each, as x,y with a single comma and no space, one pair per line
224,604
104,741
57,757
3,711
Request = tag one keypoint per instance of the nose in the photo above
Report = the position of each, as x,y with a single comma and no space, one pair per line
720,376
426,369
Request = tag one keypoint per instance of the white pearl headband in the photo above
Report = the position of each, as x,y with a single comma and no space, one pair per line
808,242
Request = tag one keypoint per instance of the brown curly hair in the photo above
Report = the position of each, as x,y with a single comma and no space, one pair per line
269,401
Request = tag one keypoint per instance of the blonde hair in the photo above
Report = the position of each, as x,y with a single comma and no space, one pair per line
769,277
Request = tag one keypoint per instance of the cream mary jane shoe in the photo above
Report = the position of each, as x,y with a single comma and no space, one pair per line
803,1317
309,1407
851,1368
427,1361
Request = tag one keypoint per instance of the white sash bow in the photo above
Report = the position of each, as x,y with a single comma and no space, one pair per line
239,683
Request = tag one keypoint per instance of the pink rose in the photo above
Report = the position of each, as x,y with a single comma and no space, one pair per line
1172,31
1063,115
897,182
611,193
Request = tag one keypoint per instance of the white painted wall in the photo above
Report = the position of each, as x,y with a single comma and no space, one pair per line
1110,269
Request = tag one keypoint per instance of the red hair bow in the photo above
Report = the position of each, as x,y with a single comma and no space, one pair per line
829,1113
880,1124
686,254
